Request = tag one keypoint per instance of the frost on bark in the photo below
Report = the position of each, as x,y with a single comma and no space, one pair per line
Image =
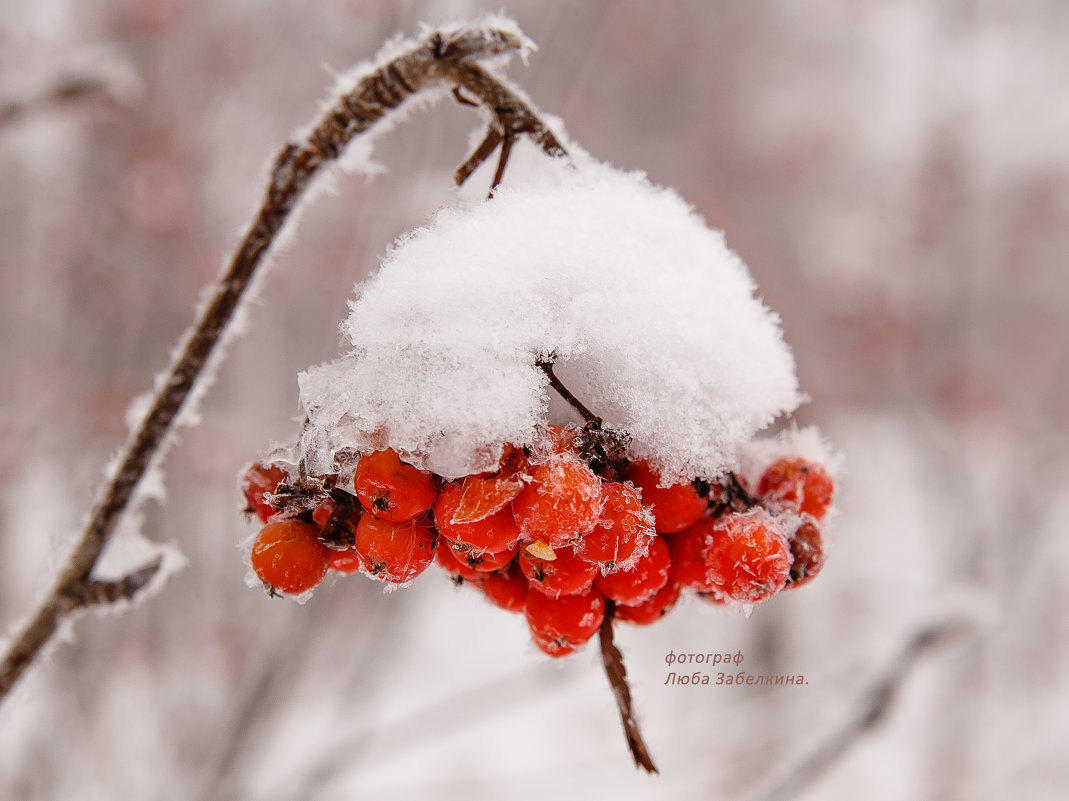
443,58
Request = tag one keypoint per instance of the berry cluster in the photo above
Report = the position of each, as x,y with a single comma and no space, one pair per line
559,530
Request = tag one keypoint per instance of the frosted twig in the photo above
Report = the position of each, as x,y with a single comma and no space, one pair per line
441,58
101,593
615,671
879,701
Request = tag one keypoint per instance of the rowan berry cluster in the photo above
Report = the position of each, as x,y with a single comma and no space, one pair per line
562,527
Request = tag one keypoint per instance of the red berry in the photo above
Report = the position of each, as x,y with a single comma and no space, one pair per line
566,574
561,625
807,553
652,610
489,562
507,588
799,485
486,494
454,565
347,561
480,562
688,549
624,528
641,582
258,482
288,556
395,552
392,490
562,502
675,508
492,534
748,559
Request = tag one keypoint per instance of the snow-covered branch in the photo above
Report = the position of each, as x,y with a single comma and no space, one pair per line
439,59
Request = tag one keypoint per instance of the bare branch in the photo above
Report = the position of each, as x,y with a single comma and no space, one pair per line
65,92
879,702
440,59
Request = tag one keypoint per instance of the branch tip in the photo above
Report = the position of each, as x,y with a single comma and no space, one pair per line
97,592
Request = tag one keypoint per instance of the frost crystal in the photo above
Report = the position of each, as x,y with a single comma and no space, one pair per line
651,320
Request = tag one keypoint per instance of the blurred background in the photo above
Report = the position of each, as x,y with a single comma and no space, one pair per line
894,173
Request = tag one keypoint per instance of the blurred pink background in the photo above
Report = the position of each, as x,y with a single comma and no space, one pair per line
894,173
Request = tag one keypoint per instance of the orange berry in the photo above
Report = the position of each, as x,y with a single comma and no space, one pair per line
392,490
561,625
625,526
493,534
395,552
565,574
288,556
653,609
561,503
674,508
506,588
258,482
481,562
640,582
688,550
799,485
486,494
347,561
452,564
748,559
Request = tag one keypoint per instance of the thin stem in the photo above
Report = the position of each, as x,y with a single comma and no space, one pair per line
442,58
735,493
485,149
503,160
546,365
615,671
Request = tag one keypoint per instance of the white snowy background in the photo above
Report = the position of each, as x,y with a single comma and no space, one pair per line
895,175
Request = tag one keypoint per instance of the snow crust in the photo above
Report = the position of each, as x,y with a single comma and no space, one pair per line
651,320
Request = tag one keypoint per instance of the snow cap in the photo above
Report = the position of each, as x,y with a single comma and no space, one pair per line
650,319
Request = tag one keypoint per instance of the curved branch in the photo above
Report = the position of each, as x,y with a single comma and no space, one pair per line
441,58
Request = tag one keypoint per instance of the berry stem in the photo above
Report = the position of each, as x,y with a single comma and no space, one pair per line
734,496
546,365
613,661
442,58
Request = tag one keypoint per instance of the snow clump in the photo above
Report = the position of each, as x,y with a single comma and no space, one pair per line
650,320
